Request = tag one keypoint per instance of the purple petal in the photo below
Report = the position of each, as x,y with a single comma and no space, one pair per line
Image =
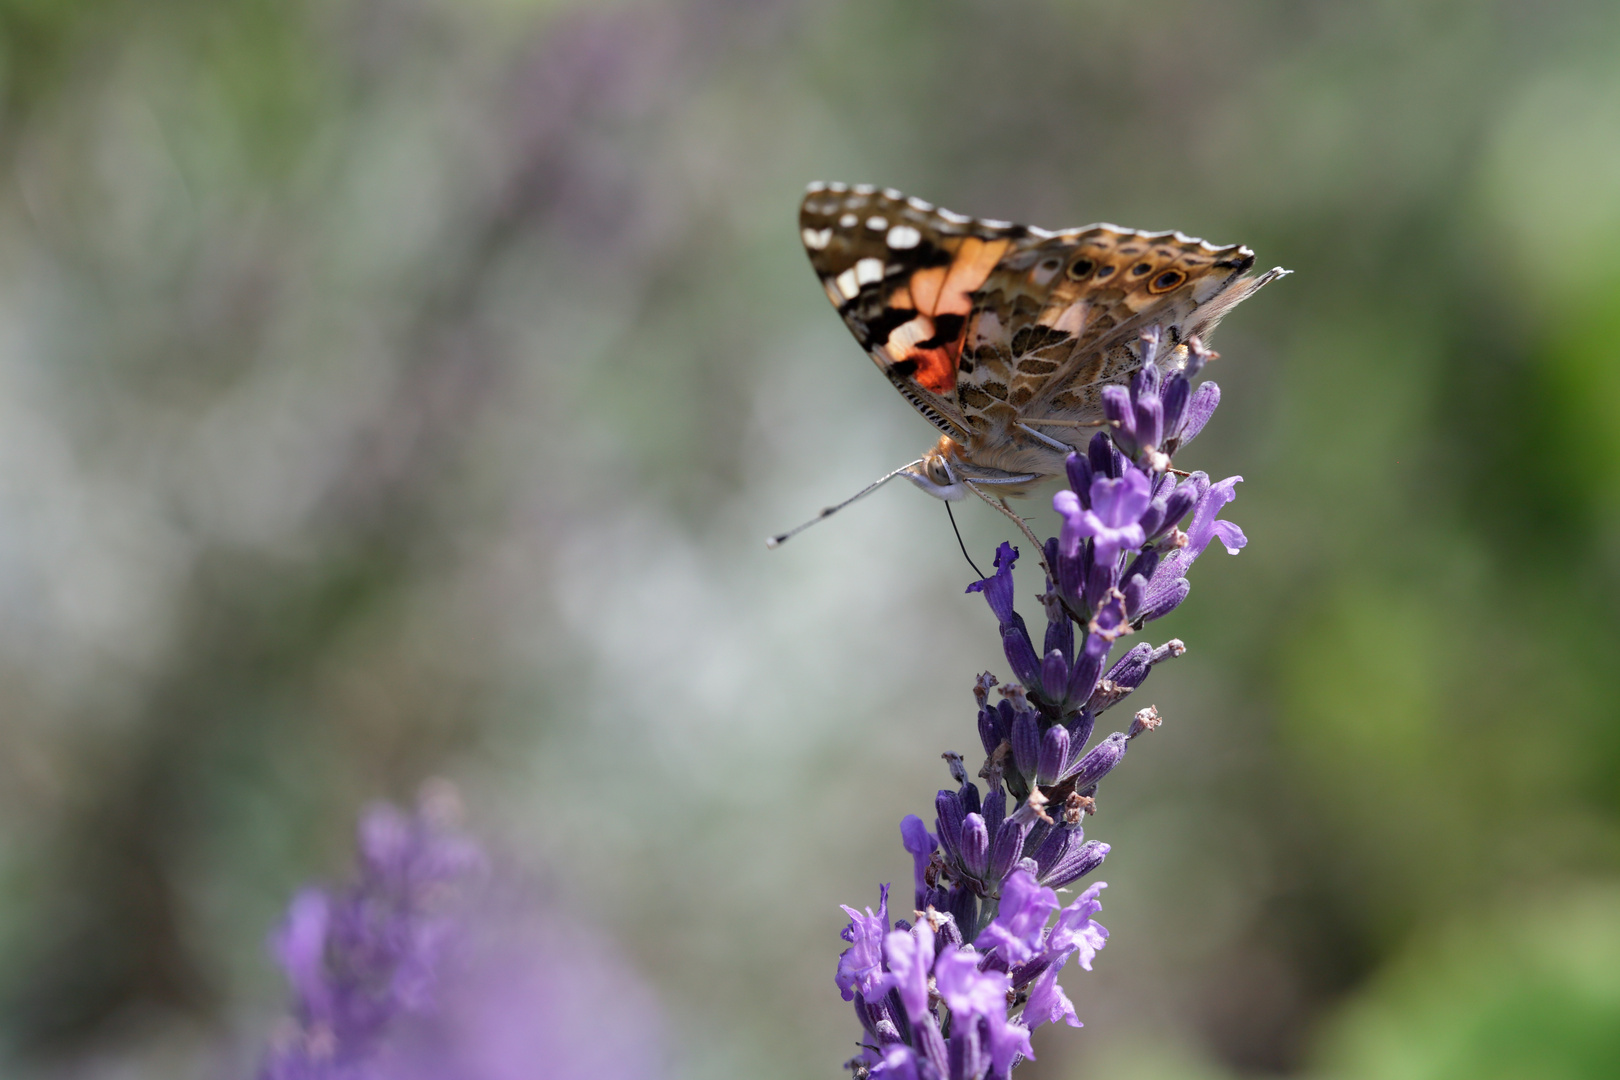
900,1062
1048,1003
1015,932
967,991
300,949
921,844
1118,503
1202,529
1075,930
998,587
1075,527
860,967
1230,536
1007,1041
910,954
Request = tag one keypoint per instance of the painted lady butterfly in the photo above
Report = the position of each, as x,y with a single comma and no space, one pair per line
1004,335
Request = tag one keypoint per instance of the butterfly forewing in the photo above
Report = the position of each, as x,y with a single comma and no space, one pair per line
904,276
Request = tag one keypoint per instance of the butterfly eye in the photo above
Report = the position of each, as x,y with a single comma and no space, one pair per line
1166,281
1140,268
1081,267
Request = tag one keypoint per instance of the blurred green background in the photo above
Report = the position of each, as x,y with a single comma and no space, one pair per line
403,388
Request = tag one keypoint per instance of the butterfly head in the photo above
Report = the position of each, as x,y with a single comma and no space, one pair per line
937,474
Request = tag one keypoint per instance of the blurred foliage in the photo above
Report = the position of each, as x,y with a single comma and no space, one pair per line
395,388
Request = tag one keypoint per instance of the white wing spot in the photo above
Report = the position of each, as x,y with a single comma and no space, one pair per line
847,285
919,204
865,189
903,236
847,221
951,215
877,224
837,188
1045,272
891,193
816,239
992,223
817,185
868,271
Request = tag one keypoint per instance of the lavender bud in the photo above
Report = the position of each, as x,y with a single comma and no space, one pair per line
1053,755
975,846
1197,356
1177,390
995,808
1020,652
1059,627
1116,403
1162,600
1105,460
1080,473
1199,409
1054,675
968,793
1054,844
1098,761
948,825
1143,564
1148,345
1075,864
1135,591
1149,416
1008,845
1058,843
1026,743
1087,669
989,731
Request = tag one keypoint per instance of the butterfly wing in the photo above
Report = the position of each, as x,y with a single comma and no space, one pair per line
904,276
1059,319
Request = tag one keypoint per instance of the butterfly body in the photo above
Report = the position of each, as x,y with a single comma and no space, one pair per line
1001,335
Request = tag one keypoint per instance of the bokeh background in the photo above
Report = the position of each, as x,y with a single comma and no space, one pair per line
394,389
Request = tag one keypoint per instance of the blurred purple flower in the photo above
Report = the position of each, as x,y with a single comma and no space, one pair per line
933,1006
415,972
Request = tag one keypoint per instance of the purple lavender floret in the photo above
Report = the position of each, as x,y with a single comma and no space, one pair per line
955,996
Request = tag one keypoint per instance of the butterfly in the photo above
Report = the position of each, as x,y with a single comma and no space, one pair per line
1003,336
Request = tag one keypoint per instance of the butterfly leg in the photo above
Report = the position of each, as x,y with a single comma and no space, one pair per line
1000,506
1061,447
1066,423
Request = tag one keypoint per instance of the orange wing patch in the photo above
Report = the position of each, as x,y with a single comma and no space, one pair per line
927,347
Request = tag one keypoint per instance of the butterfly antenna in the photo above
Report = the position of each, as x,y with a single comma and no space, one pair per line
781,538
959,542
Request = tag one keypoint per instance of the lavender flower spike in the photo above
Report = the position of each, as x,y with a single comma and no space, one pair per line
989,872
361,960
413,972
